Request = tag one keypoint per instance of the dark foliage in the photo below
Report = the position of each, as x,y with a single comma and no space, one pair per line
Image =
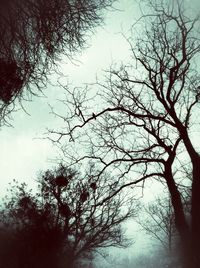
10,80
33,33
58,226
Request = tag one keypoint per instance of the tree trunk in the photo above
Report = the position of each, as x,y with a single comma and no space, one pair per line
195,212
195,200
192,248
180,219
194,235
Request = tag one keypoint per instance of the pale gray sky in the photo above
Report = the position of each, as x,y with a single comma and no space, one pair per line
22,154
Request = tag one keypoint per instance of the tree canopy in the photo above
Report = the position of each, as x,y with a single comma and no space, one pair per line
142,129
62,223
33,34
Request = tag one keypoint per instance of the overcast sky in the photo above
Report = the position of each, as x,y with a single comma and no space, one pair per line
22,153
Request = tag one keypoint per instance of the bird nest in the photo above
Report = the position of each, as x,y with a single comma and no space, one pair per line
11,80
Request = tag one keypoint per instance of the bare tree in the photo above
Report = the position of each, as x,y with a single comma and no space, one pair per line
148,110
62,223
157,219
33,34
